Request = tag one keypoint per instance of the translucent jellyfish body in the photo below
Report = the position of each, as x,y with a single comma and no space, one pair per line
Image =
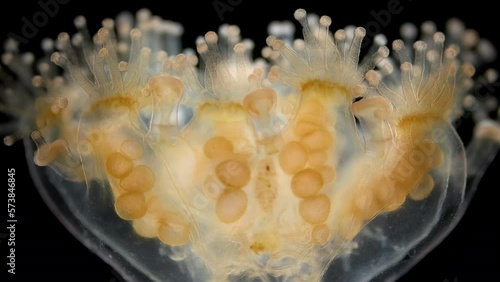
306,165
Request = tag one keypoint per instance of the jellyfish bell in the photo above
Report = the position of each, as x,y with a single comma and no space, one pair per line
310,164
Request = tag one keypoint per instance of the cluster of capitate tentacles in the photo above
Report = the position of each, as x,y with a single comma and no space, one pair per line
284,166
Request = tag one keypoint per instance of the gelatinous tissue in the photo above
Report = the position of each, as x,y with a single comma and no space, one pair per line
310,163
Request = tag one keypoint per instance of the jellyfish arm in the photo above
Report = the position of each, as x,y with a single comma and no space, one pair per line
480,152
413,169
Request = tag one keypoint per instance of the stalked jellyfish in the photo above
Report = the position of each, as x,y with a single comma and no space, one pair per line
310,163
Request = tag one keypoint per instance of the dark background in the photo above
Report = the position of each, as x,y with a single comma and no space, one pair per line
45,251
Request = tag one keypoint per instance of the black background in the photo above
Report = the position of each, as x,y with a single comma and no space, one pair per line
45,251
